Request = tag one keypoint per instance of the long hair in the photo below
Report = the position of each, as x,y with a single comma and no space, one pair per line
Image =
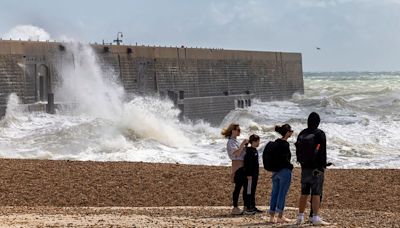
227,132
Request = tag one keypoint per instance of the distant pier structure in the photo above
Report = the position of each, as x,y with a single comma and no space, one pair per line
203,83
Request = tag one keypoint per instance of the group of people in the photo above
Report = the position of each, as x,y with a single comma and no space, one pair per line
311,154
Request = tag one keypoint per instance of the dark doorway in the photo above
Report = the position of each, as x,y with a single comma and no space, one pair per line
43,83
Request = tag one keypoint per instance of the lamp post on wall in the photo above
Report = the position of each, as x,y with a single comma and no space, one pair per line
118,40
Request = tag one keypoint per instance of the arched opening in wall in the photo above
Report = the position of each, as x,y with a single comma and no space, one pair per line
42,83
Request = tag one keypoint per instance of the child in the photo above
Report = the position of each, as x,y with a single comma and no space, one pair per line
251,167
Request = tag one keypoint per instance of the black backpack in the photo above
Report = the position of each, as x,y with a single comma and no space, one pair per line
306,148
268,156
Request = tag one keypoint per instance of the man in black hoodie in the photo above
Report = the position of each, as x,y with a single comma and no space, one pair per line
312,173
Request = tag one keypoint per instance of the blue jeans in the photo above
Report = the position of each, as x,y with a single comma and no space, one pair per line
280,186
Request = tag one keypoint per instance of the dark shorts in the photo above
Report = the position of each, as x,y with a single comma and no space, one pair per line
312,182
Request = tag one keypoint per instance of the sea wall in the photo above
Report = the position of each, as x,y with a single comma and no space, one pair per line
203,83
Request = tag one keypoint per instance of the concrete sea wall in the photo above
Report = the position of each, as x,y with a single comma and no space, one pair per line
203,83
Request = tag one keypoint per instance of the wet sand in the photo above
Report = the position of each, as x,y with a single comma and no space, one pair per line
72,193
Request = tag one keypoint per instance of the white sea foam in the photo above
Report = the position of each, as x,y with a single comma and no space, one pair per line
26,32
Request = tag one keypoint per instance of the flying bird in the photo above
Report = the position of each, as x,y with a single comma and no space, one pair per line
318,48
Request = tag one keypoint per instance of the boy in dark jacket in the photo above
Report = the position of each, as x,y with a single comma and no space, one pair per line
251,166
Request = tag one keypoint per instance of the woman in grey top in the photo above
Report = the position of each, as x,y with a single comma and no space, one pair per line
236,153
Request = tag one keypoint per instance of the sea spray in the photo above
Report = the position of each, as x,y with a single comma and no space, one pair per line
26,32
151,118
95,90
13,112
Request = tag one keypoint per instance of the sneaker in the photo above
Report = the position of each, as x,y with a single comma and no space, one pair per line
319,222
258,210
249,212
300,220
236,211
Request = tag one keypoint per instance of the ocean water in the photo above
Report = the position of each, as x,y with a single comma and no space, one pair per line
359,112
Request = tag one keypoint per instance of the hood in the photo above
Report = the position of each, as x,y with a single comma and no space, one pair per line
313,120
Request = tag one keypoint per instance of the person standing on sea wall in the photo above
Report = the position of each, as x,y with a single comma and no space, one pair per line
236,153
311,154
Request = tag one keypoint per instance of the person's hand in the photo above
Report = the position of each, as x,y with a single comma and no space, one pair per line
245,141
249,178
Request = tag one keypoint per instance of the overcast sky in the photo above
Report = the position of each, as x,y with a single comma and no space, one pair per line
353,35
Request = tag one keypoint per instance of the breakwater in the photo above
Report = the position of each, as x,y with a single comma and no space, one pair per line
202,83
